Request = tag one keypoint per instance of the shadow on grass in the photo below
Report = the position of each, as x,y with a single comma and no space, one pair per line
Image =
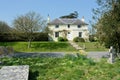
33,75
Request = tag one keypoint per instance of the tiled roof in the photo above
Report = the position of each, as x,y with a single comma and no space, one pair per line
62,21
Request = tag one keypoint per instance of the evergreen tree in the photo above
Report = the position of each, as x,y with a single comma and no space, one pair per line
108,23
71,15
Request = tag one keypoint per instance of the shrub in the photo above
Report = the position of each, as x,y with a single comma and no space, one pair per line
40,36
3,50
10,49
92,38
9,37
62,39
78,39
65,39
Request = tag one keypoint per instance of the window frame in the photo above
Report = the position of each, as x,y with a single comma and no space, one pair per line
68,32
78,26
56,34
80,34
68,25
56,26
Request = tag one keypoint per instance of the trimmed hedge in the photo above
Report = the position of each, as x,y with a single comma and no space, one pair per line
78,39
60,39
10,37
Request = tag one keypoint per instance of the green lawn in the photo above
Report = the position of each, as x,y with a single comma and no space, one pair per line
52,46
67,68
40,46
92,46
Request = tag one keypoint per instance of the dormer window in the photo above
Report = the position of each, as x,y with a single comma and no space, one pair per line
68,26
79,26
56,26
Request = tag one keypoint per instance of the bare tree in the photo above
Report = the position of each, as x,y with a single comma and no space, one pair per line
4,27
28,24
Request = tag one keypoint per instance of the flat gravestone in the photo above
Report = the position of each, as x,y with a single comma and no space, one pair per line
14,72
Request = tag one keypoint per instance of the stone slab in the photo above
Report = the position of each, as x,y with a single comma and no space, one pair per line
14,72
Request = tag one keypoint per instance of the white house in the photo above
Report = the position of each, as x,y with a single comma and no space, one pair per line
69,28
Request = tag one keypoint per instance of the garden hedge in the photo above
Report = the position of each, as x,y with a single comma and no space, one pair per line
10,37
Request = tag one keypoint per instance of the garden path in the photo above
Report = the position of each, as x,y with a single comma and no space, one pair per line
76,46
98,55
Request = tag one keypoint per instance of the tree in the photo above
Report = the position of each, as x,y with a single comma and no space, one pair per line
4,27
28,24
108,23
71,15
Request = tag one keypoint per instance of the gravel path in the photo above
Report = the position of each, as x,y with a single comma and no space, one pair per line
97,55
40,54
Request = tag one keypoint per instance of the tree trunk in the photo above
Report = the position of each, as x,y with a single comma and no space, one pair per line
118,51
29,43
118,47
118,44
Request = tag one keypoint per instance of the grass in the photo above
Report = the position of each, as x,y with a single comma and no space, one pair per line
67,68
53,46
92,46
40,46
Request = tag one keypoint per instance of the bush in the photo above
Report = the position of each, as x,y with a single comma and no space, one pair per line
11,37
40,36
62,39
78,39
3,50
65,39
92,38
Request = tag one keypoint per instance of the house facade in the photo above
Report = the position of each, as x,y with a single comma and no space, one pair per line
68,28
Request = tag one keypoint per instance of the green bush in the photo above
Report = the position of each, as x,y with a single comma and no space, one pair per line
11,37
65,39
60,39
78,39
92,38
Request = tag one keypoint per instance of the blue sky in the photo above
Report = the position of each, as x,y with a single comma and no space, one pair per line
10,9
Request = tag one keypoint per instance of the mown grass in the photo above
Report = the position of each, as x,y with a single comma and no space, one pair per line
40,46
92,46
53,46
67,68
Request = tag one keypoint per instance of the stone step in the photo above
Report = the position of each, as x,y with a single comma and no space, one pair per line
76,46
